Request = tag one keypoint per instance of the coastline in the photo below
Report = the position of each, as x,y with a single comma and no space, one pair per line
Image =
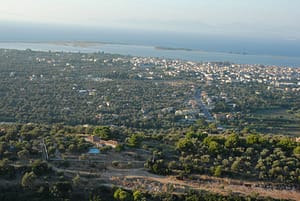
154,51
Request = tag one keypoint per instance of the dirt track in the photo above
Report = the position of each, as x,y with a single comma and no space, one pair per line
133,178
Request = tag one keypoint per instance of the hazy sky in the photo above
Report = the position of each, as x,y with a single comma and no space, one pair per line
276,18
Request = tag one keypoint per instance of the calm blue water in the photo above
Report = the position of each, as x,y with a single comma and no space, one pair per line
282,52
150,51
26,32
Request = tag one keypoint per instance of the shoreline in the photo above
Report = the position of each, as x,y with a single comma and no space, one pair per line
154,51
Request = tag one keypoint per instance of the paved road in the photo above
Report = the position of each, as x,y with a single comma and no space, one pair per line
202,106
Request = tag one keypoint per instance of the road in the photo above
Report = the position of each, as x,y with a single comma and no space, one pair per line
131,178
202,106
45,155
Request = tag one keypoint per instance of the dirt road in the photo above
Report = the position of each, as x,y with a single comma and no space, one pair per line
133,178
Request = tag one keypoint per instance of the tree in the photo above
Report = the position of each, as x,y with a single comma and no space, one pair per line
286,143
76,180
198,136
39,168
218,171
95,198
7,170
246,130
11,133
3,148
135,140
212,128
236,164
23,154
102,131
72,148
122,195
252,139
119,147
297,150
232,141
61,190
214,147
157,166
185,145
28,180
138,196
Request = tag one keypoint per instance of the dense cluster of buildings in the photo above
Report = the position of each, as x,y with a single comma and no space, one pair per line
286,78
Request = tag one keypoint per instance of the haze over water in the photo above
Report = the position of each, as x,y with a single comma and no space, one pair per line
285,52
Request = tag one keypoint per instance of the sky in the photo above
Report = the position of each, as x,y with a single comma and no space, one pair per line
246,18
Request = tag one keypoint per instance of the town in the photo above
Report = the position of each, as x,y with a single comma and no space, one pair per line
76,122
150,92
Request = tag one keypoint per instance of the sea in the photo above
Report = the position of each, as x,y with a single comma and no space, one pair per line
169,45
151,51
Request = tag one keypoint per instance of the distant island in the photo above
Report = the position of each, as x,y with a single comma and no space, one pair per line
193,50
242,53
196,55
173,48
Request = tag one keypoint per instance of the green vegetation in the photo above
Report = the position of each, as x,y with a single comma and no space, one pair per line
105,89
183,154
173,118
251,157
